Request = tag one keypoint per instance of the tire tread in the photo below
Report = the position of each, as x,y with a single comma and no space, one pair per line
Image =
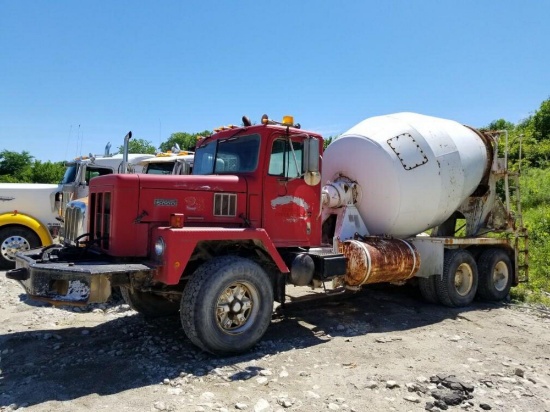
200,281
427,289
444,284
486,262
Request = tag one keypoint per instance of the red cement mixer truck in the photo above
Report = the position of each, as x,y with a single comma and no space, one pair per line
397,198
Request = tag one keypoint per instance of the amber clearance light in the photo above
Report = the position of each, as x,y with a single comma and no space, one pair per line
176,220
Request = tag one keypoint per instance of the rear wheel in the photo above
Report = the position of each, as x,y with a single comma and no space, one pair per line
227,305
458,284
495,274
149,304
15,239
427,289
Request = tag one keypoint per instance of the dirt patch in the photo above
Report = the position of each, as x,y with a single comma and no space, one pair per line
380,349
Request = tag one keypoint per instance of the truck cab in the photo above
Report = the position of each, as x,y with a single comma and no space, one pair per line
169,163
239,224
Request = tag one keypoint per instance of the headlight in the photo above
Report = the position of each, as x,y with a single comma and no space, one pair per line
159,247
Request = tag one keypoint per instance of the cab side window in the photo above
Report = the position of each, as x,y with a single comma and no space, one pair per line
92,172
283,161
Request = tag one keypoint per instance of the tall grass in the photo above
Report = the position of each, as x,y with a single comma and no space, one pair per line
535,201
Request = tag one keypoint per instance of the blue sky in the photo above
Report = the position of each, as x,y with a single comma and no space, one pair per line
75,75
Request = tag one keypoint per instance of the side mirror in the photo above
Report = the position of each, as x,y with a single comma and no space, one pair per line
312,177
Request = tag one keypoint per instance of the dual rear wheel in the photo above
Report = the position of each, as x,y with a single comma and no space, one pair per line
490,278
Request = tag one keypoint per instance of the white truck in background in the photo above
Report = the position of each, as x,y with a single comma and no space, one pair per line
172,162
28,213
32,214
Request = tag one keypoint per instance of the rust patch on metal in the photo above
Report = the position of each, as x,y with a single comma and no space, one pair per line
57,302
379,260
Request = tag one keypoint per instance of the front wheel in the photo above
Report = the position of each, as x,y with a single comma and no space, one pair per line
13,240
227,305
495,274
457,285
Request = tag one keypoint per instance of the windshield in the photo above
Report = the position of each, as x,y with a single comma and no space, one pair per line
230,156
70,174
160,168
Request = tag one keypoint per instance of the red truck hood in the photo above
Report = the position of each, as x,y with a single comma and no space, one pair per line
211,183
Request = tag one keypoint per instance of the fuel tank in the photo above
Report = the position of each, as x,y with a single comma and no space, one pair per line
411,171
376,260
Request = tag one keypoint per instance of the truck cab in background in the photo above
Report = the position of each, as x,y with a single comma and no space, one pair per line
28,218
79,172
174,162
32,215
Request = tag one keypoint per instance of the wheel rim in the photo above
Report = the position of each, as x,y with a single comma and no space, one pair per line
500,276
464,279
12,245
236,308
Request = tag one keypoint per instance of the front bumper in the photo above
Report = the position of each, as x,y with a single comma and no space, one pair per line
88,279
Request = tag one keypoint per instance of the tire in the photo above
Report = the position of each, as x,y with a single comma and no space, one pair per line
15,239
149,304
227,305
495,275
457,286
427,289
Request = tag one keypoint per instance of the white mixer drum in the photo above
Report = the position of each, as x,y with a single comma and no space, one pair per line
413,170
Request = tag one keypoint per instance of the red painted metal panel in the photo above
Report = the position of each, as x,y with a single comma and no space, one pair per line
181,243
118,233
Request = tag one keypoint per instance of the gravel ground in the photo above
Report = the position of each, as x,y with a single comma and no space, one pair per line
382,349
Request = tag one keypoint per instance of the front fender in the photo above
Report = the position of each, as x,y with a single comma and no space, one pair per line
21,219
181,243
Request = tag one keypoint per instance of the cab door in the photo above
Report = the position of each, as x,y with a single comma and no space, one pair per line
289,205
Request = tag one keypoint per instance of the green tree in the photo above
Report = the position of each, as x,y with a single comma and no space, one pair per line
47,172
535,135
15,166
531,134
186,141
139,146
541,121
327,141
500,124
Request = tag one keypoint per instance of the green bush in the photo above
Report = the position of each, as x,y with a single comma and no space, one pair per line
535,201
537,221
535,188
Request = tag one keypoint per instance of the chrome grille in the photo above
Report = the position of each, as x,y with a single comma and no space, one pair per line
75,221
